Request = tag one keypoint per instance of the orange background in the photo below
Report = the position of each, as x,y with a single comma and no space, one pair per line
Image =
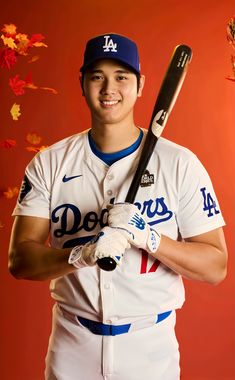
202,119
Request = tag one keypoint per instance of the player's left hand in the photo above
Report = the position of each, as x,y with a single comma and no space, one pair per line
127,218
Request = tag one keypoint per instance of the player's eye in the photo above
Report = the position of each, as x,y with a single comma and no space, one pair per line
96,77
122,77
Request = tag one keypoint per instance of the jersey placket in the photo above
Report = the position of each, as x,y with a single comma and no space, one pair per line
107,299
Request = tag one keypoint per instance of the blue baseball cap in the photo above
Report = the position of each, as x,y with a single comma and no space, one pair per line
111,46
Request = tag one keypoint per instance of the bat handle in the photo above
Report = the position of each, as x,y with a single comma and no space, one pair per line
107,263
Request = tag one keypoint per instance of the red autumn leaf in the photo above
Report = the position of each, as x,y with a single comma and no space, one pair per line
35,39
28,79
9,143
17,85
33,138
7,58
11,192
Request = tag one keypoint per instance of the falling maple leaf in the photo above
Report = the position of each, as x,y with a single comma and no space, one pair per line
9,143
33,59
17,85
9,29
9,42
33,138
52,90
36,149
7,58
11,192
36,40
15,111
22,44
29,82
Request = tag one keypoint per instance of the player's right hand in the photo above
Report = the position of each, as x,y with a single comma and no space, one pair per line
109,242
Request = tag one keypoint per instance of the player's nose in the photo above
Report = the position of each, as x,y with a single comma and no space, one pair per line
108,87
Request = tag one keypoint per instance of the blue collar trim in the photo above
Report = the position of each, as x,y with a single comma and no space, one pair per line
110,158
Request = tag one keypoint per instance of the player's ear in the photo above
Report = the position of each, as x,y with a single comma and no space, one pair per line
81,78
141,86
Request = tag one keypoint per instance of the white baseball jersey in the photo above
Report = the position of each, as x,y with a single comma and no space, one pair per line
71,186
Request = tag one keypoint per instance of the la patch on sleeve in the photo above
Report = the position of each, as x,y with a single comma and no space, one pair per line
25,188
209,203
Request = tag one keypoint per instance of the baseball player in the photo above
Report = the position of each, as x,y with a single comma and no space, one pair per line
116,325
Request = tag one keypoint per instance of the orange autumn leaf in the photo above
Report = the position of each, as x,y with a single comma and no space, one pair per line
11,192
22,44
31,86
9,29
33,59
36,149
8,143
52,90
33,138
15,111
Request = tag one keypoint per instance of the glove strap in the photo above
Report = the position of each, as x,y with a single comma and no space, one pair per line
153,242
75,257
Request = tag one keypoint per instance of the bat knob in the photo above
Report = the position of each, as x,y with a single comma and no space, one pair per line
107,263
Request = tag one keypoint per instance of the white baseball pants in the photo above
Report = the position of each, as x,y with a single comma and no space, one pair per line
75,353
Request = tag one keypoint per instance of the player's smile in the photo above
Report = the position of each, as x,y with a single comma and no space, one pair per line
109,103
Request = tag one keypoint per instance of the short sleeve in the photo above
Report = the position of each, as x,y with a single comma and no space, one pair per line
199,210
34,196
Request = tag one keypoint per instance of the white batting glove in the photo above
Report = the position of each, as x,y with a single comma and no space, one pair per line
109,242
127,218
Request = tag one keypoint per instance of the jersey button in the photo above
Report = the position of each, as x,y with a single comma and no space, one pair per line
107,286
110,176
109,192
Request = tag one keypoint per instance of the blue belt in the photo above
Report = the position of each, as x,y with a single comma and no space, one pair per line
99,328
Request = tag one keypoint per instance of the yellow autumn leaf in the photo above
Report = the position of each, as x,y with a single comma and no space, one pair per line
11,192
9,29
9,42
15,111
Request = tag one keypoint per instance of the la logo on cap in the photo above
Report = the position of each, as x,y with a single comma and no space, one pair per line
109,44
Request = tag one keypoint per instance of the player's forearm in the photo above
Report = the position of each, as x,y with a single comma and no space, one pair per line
34,261
193,260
